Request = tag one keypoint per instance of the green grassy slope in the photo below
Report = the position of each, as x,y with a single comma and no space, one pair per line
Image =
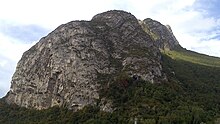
191,96
190,56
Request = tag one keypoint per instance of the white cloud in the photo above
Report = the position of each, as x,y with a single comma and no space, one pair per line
211,47
11,51
51,13
12,48
6,71
192,27
3,63
197,34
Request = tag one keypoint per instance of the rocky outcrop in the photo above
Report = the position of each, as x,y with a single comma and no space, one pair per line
161,34
66,68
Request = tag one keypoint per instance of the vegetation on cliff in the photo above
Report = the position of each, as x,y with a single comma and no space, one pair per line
109,71
190,96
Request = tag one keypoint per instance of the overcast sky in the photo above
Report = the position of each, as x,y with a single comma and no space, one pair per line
195,23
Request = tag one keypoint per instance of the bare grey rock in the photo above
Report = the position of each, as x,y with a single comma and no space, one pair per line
64,68
161,34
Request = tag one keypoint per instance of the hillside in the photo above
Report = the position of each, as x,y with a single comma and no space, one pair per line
67,67
190,96
193,57
113,69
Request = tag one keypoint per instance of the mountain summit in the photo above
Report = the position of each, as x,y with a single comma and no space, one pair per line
70,65
161,34
113,69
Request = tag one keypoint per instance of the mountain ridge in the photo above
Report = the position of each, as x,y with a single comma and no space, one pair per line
115,67
64,67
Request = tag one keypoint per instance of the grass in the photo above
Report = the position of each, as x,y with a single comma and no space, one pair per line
193,57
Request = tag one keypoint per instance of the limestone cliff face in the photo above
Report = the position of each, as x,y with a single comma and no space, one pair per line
65,68
161,34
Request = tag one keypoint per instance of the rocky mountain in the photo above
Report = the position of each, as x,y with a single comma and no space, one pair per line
70,65
162,35
113,69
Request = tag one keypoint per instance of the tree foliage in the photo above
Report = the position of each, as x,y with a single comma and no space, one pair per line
191,96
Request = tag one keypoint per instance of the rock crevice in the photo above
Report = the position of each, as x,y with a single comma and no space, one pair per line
65,67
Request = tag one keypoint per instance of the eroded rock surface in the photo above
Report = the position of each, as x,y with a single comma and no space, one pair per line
64,68
161,34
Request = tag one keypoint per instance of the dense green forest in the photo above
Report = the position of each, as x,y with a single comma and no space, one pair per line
190,96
